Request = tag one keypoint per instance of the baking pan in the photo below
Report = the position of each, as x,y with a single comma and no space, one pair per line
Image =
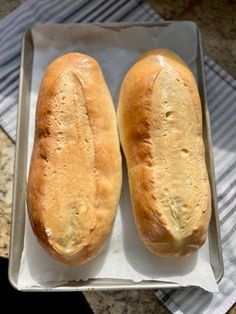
19,190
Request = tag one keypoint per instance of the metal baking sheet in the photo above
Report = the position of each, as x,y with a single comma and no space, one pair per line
19,190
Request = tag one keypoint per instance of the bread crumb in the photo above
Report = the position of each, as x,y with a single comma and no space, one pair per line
48,232
116,250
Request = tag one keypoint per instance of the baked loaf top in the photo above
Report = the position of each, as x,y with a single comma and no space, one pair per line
75,173
160,124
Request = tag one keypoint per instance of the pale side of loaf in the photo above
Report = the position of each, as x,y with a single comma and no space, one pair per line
160,124
75,173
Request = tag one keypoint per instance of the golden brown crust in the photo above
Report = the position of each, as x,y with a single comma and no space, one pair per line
160,124
75,173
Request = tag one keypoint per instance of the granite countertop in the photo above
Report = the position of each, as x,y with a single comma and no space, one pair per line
216,20
7,150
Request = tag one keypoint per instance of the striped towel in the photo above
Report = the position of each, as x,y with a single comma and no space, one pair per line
221,89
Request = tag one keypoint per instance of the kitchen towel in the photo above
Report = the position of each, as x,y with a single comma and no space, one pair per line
221,89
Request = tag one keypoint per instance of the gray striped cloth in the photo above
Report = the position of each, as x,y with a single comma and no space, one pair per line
222,104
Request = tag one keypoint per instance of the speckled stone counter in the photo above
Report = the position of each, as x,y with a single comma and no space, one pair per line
120,302
7,150
216,19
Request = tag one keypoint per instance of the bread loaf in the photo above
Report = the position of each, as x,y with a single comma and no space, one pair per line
160,125
75,172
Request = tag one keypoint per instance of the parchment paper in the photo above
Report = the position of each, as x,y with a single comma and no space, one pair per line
124,255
